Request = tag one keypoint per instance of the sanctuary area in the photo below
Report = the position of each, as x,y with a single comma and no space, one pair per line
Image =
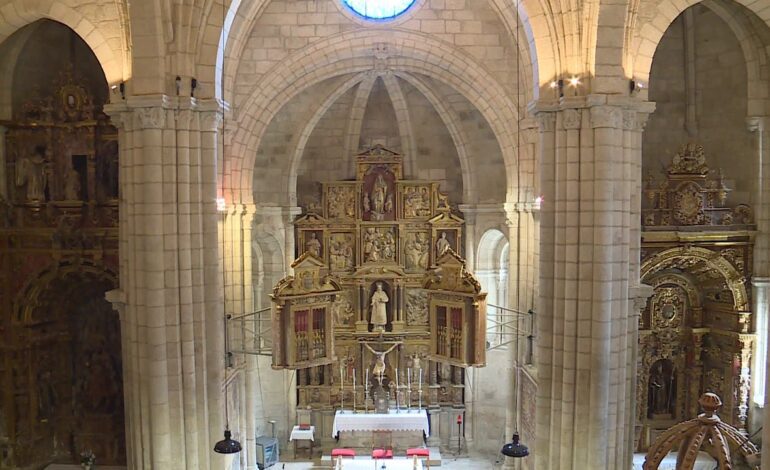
509,234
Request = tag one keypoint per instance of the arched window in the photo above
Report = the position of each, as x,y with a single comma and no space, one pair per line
492,273
379,9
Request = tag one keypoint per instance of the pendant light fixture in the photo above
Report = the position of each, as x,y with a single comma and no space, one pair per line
228,445
515,449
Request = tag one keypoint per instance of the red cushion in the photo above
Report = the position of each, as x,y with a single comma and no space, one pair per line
382,454
420,452
343,453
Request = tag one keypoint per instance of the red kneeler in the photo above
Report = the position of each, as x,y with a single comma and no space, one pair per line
382,454
343,453
419,452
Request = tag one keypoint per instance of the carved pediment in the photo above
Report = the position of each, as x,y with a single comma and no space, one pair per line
691,194
450,275
308,279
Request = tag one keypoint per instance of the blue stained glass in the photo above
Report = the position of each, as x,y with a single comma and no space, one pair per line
379,9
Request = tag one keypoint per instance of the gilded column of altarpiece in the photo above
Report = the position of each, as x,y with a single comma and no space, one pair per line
696,332
379,276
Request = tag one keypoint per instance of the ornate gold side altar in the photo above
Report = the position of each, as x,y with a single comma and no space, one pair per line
380,306
696,332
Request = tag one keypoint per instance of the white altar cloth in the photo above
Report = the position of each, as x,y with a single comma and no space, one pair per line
403,421
368,464
702,462
302,434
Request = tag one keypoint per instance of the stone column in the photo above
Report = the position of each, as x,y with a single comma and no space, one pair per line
586,332
172,318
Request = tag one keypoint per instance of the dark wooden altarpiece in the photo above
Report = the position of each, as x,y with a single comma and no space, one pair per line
403,235
60,343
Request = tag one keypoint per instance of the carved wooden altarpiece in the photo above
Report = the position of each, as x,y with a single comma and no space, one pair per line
381,267
696,332
60,353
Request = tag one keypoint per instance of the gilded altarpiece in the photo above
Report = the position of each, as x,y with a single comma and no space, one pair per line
60,353
387,249
696,332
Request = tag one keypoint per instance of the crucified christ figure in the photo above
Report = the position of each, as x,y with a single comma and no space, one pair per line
379,363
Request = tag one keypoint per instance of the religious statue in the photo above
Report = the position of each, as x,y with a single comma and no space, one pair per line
72,185
379,198
31,171
342,310
379,244
442,244
661,390
416,251
341,251
379,360
379,301
313,246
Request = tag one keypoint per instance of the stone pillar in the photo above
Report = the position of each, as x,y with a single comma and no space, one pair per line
170,282
590,164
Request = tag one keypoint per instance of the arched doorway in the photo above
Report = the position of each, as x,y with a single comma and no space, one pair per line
492,272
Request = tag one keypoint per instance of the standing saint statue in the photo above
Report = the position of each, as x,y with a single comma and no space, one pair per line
31,171
313,245
378,199
442,244
72,185
379,302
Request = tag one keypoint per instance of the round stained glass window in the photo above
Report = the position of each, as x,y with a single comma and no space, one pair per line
379,9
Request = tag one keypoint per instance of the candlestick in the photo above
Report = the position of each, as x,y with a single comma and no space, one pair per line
366,381
409,389
354,390
398,406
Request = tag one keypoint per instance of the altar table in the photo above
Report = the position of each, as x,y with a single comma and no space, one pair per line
702,462
298,434
369,464
399,421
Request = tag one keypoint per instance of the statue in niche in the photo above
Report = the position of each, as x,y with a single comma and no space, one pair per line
379,302
378,370
416,251
662,390
442,244
417,202
72,185
379,199
367,203
313,245
46,395
31,171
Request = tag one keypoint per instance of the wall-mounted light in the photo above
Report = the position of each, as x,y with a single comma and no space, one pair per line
122,88
178,82
193,86
221,204
574,81
635,86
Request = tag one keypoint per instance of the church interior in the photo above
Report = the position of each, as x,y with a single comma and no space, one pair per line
338,232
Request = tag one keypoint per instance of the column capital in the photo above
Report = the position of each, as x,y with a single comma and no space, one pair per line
762,282
117,297
639,295
755,123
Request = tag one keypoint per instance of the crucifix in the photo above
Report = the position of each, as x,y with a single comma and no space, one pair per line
379,365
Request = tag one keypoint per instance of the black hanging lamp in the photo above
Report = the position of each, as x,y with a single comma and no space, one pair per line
515,449
228,445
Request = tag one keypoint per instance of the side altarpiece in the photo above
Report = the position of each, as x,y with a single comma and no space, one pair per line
696,332
379,294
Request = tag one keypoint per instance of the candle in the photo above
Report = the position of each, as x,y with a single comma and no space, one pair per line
366,381
420,383
354,379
